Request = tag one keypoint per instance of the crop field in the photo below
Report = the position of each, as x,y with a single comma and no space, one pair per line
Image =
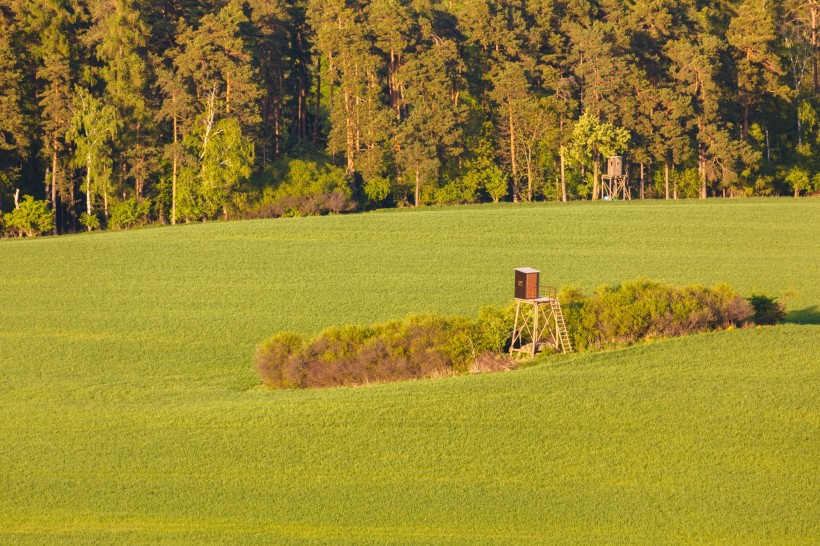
130,412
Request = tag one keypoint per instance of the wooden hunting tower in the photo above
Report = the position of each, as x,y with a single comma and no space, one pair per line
615,166
539,321
615,183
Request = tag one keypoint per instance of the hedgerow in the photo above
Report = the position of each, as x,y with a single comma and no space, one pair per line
419,346
616,316
434,345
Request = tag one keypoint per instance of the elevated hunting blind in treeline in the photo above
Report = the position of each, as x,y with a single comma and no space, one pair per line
539,320
615,183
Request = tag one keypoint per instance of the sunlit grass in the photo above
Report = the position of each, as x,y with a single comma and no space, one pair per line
129,410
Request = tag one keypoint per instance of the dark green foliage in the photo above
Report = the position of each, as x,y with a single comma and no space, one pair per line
417,347
416,102
767,310
302,187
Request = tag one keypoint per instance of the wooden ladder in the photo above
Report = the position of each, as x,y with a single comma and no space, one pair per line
560,323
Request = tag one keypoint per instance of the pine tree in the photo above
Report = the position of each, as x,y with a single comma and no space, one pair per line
751,34
278,41
50,29
216,53
352,76
14,130
430,131
511,92
118,36
695,67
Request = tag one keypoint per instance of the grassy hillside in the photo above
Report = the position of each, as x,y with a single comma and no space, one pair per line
128,408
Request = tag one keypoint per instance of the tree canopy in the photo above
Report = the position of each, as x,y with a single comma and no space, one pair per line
186,108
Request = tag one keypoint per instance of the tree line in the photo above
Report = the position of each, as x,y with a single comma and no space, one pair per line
117,112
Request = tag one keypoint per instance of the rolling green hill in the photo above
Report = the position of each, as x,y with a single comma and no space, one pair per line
129,410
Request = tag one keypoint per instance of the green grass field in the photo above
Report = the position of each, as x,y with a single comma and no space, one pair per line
129,411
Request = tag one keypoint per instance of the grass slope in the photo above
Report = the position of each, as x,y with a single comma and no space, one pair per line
128,409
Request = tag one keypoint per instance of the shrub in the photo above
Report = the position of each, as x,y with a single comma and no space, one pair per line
622,315
458,192
417,347
377,188
31,219
276,360
129,213
767,310
90,221
298,187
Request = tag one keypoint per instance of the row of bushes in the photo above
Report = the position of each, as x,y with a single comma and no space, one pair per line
295,205
433,345
616,316
289,187
417,347
33,217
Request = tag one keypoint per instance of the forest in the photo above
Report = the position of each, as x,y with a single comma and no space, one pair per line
118,113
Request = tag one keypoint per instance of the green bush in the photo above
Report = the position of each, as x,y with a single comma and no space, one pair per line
296,187
615,316
767,310
129,213
458,192
377,188
30,219
419,346
90,221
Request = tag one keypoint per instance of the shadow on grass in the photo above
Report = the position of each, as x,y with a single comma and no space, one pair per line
809,315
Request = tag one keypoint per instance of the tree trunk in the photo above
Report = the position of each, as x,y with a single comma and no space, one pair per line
513,162
418,187
529,178
666,176
642,181
317,107
351,142
744,129
174,171
595,171
702,172
277,129
300,111
674,185
72,205
54,186
563,178
138,182
228,95
332,87
814,23
88,207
